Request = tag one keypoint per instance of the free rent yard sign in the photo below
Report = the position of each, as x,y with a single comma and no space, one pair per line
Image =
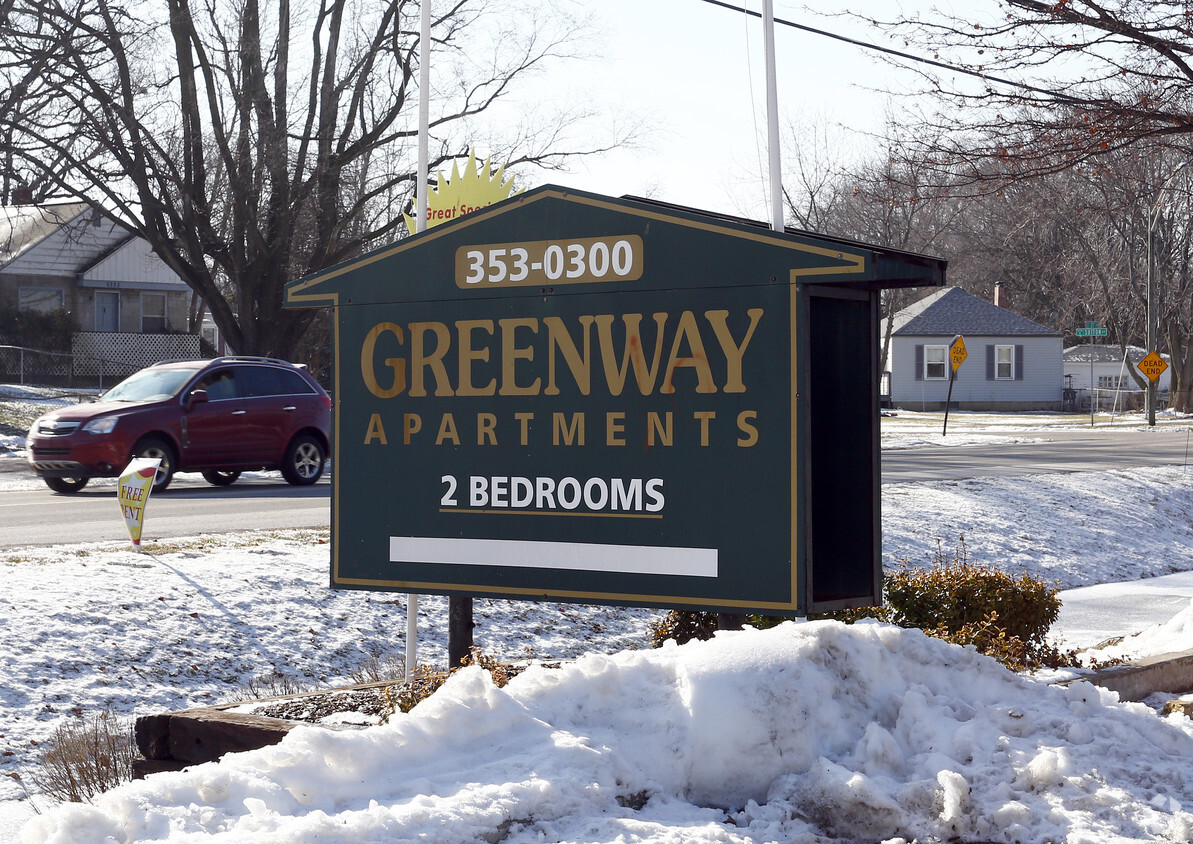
570,397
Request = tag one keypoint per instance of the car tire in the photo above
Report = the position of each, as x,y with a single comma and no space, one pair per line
154,448
220,478
66,485
304,461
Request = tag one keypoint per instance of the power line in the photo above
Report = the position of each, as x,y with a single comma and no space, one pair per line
867,45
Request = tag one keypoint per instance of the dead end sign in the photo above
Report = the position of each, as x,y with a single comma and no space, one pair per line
1153,366
572,397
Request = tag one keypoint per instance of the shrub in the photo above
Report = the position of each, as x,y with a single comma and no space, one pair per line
49,331
954,593
86,757
682,626
424,683
1001,615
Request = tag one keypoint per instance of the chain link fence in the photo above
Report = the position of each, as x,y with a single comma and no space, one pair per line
1109,400
23,366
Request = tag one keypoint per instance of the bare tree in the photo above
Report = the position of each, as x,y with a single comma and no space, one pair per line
883,200
250,144
1094,99
1046,86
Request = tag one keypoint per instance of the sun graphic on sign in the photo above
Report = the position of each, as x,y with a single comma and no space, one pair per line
474,188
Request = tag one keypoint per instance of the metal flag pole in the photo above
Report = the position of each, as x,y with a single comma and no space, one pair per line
424,119
772,117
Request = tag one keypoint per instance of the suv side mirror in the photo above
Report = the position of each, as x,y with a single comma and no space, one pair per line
196,397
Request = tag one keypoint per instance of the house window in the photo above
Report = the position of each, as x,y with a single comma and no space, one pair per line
153,312
936,367
1113,382
43,299
1004,363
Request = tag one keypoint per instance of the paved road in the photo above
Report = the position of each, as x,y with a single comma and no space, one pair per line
37,516
1049,451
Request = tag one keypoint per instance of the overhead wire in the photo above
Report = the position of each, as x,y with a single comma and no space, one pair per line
868,45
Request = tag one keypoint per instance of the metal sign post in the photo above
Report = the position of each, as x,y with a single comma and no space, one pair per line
1153,367
1092,329
957,356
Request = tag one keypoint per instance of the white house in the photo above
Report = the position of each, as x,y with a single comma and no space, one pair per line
128,305
1106,368
1013,363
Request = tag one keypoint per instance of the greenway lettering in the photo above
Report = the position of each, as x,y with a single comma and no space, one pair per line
484,357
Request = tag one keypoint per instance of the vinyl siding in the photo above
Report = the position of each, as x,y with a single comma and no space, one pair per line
134,264
1041,383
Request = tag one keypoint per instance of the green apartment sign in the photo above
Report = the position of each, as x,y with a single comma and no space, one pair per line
571,397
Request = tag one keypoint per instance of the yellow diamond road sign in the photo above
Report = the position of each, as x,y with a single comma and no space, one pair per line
957,352
1152,366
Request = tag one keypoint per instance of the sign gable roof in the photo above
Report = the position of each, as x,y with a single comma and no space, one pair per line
691,243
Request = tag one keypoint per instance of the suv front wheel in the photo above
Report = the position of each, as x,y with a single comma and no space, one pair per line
220,477
66,485
154,448
304,460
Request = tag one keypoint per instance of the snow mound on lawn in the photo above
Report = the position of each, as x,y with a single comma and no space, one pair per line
803,733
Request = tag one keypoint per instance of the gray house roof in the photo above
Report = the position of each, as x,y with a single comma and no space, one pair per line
953,311
22,227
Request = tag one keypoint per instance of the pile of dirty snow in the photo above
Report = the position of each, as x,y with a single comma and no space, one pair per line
864,732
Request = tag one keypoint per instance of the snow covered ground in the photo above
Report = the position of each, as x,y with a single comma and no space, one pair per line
807,733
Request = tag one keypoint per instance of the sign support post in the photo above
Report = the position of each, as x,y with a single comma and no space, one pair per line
1153,367
957,356
1092,329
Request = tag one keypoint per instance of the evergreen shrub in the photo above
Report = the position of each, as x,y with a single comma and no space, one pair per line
1001,615
47,331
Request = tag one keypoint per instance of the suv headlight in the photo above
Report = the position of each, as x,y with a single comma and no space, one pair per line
103,425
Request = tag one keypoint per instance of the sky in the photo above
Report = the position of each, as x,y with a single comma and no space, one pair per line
792,734
693,73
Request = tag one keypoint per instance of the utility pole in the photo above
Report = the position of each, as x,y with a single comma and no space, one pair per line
1151,286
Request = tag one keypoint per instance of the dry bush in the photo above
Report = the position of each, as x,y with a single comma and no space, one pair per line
379,669
425,682
86,757
274,684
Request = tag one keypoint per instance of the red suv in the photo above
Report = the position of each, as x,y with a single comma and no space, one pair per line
220,417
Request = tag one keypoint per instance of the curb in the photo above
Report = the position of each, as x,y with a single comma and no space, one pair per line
1171,673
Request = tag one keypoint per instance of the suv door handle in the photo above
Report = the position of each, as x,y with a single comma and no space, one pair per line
290,408
239,412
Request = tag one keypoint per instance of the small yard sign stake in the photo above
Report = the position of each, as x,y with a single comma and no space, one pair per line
136,482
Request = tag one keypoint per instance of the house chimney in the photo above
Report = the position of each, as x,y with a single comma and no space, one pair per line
22,195
998,295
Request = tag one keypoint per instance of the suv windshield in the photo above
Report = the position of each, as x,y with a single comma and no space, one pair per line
149,385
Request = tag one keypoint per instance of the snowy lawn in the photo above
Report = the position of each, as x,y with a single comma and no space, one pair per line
802,734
